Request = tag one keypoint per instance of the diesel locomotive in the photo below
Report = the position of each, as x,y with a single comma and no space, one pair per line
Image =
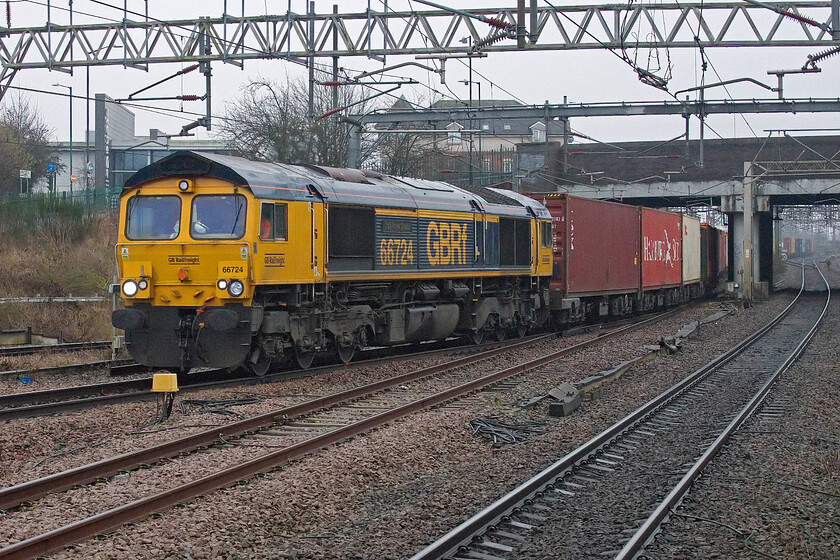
226,262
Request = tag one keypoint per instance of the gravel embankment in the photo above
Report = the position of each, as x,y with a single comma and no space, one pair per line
600,512
383,495
40,446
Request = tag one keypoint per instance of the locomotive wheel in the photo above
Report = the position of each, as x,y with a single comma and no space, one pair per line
262,366
304,359
345,353
501,333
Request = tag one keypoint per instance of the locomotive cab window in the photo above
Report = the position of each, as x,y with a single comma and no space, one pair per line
273,222
153,217
218,216
546,234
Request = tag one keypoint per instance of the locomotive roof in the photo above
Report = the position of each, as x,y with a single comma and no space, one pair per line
278,181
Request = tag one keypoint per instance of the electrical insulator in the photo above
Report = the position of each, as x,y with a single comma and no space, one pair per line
812,58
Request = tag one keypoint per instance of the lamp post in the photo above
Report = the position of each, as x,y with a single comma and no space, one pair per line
71,136
87,135
470,82
468,40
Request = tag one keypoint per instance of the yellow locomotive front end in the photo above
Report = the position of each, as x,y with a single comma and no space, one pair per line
185,272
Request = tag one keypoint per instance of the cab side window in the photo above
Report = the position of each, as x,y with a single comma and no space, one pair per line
273,222
546,234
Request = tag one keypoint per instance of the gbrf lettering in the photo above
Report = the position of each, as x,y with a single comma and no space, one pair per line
446,243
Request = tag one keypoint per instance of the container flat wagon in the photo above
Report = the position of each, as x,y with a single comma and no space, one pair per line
597,257
661,257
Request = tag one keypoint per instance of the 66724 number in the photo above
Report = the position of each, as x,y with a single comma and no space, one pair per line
396,252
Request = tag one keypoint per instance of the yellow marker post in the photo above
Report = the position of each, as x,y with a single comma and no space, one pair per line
164,383
167,385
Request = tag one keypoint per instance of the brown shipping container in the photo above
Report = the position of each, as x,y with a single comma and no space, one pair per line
596,246
661,252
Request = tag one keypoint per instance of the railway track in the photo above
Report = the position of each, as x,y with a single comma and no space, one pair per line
115,368
291,432
613,492
31,404
68,399
29,349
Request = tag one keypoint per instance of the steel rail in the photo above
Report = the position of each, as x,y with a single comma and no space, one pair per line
463,534
30,404
27,491
651,525
63,347
12,496
116,517
70,399
65,369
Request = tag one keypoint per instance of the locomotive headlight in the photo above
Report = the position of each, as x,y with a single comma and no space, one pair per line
184,185
130,288
236,288
143,284
222,284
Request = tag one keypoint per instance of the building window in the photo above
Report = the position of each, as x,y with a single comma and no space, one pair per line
508,166
453,133
507,127
537,135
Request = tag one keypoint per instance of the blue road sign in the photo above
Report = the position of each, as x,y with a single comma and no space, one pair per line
51,167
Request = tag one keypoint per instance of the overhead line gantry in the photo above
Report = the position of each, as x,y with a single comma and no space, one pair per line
235,39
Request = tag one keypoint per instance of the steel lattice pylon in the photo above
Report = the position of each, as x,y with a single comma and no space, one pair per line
236,39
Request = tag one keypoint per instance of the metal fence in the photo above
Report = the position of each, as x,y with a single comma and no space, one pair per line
56,214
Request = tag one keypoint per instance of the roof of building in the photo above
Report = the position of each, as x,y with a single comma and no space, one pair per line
491,126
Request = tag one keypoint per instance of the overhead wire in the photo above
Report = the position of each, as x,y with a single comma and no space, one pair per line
612,50
324,68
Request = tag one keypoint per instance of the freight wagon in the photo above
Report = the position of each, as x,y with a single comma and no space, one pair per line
615,259
714,257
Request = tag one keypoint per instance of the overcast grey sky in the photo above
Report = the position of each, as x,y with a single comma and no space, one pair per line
589,76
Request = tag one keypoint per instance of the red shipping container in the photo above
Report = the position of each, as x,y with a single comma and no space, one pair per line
723,254
596,246
661,251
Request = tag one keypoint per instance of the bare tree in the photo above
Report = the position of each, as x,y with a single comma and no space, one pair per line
271,121
408,154
24,143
